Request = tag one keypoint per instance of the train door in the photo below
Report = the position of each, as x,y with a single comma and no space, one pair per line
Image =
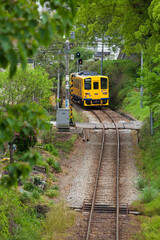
96,89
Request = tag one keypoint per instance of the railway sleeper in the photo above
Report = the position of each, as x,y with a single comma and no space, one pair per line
103,208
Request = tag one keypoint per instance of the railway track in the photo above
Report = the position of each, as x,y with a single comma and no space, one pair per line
108,188
99,211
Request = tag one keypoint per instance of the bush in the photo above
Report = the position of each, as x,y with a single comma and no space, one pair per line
68,145
25,197
55,165
141,183
29,186
58,220
17,221
52,193
35,194
44,164
150,228
50,148
25,139
148,194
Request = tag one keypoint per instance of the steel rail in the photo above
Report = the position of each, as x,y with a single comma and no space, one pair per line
117,182
96,182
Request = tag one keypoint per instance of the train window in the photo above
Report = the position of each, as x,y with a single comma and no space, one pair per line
95,85
87,84
103,83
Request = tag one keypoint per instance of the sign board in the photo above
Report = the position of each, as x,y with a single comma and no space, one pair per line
72,56
67,86
67,103
67,77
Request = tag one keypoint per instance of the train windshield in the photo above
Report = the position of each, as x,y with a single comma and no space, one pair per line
87,84
95,85
103,83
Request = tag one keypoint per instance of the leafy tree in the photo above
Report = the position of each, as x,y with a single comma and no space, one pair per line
24,27
21,118
30,85
94,18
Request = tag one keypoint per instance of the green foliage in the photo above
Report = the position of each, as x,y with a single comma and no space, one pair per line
17,222
16,170
14,120
50,148
30,85
44,164
93,19
141,183
36,194
25,139
131,104
52,193
58,220
149,193
150,229
25,197
29,186
55,165
67,146
24,28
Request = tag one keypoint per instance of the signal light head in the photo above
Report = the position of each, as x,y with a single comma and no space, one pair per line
78,54
80,61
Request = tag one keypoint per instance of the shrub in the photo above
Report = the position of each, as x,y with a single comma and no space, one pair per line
52,192
58,220
29,186
35,194
17,221
148,194
68,145
25,197
44,164
25,139
50,148
141,183
55,165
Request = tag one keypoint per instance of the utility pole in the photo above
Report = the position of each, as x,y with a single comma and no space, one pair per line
58,88
141,89
102,54
62,121
102,60
67,74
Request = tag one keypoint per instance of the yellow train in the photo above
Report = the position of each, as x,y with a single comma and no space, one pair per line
89,89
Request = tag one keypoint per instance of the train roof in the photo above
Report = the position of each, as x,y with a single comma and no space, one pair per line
86,73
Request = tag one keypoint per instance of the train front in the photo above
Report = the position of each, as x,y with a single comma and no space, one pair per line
96,91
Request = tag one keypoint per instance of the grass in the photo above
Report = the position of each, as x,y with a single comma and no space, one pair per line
131,105
68,145
150,228
51,148
58,220
78,117
149,167
54,164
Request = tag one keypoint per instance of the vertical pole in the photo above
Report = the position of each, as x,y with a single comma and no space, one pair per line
67,74
102,58
77,65
71,102
141,89
58,89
